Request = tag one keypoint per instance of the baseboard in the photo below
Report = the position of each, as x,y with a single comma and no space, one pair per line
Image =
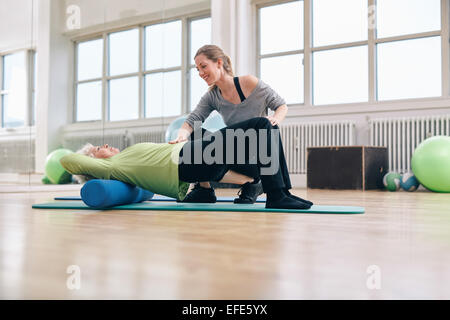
23,188
298,180
21,178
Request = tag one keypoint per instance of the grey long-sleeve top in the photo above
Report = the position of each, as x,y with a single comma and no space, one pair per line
255,105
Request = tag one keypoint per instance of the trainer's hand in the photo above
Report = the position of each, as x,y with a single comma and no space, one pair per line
273,120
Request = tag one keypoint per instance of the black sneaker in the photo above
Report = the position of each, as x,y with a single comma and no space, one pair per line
200,195
249,193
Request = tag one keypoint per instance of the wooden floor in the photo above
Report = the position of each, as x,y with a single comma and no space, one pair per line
229,255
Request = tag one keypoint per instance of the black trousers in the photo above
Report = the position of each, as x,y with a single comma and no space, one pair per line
252,148
248,170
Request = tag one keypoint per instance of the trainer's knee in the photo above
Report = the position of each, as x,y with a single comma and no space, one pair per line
263,122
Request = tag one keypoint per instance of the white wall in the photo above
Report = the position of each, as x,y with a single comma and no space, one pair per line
54,79
234,29
98,12
18,24
56,55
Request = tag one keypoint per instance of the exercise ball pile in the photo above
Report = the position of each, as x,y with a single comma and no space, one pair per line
431,163
54,171
393,181
213,123
409,182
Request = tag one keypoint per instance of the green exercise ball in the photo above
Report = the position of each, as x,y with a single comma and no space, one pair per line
391,181
431,163
53,168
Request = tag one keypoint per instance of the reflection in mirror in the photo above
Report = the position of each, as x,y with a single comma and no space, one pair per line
114,72
17,93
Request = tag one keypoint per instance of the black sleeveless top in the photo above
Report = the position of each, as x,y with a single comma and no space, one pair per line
238,88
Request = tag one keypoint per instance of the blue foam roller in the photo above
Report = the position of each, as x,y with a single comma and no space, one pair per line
109,193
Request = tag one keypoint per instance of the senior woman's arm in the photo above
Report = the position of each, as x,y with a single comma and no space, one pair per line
79,164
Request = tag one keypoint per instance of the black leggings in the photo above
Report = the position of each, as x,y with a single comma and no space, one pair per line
251,159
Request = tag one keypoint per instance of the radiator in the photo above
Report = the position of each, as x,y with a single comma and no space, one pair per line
297,138
119,140
402,135
17,156
148,136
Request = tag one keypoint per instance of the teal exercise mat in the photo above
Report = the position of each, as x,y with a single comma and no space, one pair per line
164,198
148,205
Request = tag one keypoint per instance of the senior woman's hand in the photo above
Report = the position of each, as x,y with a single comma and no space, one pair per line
183,135
177,140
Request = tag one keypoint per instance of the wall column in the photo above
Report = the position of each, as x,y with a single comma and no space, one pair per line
54,79
234,30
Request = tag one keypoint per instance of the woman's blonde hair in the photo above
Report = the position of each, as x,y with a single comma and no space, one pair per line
213,53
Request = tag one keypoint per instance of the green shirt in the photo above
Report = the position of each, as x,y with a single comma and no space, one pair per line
151,166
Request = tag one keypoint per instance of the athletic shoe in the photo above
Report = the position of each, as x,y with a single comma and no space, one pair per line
290,195
249,192
200,195
286,203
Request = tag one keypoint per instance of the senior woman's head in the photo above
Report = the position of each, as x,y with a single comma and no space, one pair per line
101,152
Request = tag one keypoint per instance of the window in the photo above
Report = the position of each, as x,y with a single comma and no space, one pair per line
163,64
409,62
123,52
123,99
398,44
337,22
17,89
123,80
281,57
89,80
401,17
200,34
340,74
144,75
409,69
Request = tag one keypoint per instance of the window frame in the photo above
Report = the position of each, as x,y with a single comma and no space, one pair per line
30,88
142,72
371,42
260,56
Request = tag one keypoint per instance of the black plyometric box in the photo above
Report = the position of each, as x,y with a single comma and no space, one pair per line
352,167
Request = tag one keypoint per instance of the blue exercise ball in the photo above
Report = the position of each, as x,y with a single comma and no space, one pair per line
172,130
409,182
213,123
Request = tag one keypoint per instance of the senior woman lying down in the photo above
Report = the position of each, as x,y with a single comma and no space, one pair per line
227,156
